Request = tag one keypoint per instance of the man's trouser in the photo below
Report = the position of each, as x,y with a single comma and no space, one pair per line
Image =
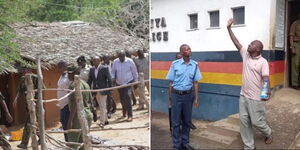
295,65
110,104
64,117
3,141
77,136
125,97
181,118
27,128
101,99
252,113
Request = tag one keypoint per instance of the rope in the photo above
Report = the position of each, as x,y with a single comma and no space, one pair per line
53,100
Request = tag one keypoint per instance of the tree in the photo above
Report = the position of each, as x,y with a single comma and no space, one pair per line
131,16
9,51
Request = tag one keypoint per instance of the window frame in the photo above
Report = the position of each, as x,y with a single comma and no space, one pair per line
189,21
232,10
209,19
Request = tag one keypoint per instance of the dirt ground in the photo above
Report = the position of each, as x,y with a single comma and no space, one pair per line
138,134
282,115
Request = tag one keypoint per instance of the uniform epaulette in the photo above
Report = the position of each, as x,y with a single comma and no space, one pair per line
175,61
193,61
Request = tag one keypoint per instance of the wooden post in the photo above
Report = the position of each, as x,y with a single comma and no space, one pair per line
142,96
41,111
81,115
31,109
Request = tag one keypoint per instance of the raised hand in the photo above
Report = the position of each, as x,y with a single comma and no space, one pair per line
230,22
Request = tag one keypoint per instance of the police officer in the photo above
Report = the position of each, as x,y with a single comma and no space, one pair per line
22,91
183,86
3,141
73,121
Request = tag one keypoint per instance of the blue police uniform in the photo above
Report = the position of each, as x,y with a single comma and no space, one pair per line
183,76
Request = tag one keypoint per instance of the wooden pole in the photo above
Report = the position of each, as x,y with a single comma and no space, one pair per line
81,115
41,110
142,95
31,109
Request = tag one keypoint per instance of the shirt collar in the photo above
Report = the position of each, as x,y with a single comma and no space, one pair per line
182,61
257,57
125,60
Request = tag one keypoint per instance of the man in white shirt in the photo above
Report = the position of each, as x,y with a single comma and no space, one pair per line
123,72
62,84
84,68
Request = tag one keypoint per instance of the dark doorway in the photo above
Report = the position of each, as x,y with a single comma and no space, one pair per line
293,9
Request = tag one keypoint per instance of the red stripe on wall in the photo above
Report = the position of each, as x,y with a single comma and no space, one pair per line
276,67
220,67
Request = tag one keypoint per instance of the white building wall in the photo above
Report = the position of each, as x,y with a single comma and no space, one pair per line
257,24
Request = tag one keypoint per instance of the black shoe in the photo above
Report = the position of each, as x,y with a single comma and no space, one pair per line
296,87
106,123
108,115
193,126
188,147
23,146
94,117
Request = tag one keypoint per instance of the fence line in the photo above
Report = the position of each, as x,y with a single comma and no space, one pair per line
80,112
98,129
55,99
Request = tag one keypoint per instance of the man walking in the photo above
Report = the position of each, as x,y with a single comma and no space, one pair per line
252,107
295,49
110,103
142,64
62,84
100,78
84,68
183,86
123,72
73,122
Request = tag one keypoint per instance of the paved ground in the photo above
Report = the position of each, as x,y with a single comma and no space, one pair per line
138,136
160,131
283,114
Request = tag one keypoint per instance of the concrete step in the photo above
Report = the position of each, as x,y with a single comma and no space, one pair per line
213,140
234,119
224,128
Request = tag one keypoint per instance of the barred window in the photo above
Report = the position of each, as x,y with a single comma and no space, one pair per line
214,17
193,21
239,15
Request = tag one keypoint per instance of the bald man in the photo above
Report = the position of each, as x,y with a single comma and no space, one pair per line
124,72
251,105
99,78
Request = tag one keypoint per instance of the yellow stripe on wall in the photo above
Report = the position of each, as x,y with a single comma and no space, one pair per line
220,78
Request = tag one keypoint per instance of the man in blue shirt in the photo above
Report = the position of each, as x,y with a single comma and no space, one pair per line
183,76
124,72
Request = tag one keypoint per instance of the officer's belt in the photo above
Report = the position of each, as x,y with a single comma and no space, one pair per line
182,92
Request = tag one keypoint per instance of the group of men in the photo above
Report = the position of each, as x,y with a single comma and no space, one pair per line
101,74
184,75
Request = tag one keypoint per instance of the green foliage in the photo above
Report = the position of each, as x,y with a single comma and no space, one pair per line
9,51
55,10
10,11
130,16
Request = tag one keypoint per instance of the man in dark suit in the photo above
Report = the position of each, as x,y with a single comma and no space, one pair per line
99,78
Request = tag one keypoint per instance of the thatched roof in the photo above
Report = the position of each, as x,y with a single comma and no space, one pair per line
68,40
